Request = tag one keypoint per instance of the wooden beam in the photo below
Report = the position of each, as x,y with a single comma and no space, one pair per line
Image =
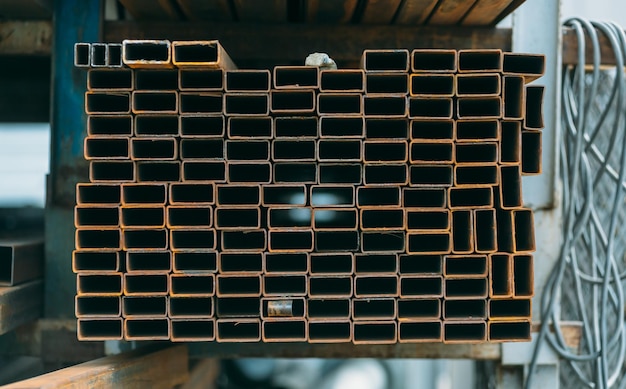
570,49
19,305
19,38
147,367
283,44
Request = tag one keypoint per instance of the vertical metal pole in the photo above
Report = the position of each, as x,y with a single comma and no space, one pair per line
73,21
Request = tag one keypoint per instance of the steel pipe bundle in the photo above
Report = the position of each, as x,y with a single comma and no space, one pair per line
372,205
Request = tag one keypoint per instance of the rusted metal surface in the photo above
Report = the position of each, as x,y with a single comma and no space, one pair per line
156,367
20,304
20,261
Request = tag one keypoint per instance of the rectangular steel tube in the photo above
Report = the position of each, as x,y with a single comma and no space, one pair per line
186,193
383,241
288,240
239,285
193,239
98,194
384,83
464,332
339,104
374,196
500,276
285,331
238,195
98,54
331,287
341,126
186,330
424,264
286,263
421,286
146,53
374,309
328,309
110,284
146,329
99,330
156,79
97,239
477,197
419,309
157,149
201,80
294,150
191,307
514,98
258,172
511,143
98,306
476,175
107,103
247,330
149,261
384,106
200,103
432,152
196,148
344,80
523,276
462,231
387,128
420,331
428,220
431,175
146,284
531,152
523,223
241,262
237,307
201,54
250,127
433,61
295,172
84,217
164,102
244,240
463,266
430,108
153,194
291,218
185,261
480,61
296,77
204,171
376,286
510,331
385,60
432,243
464,288
433,85
20,304
375,332
114,55
106,148
379,219
284,195
292,101
142,217
378,263
109,125
82,55
246,104
330,331
283,308
331,263
510,309
144,306
530,66
21,260
424,197
156,125
96,261
464,309
433,130
385,174
195,126
247,80
285,285
479,107
478,130
296,127
118,79
481,84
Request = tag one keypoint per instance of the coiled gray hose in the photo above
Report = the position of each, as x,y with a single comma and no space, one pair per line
591,267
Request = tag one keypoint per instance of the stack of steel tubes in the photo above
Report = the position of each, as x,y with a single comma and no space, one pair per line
372,205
